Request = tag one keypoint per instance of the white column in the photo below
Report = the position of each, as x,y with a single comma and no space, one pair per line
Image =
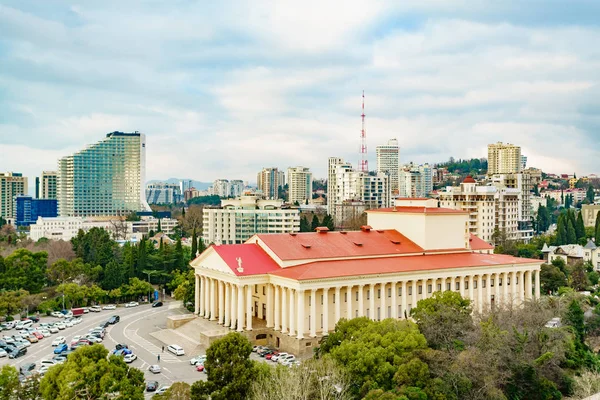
197,295
414,294
325,311
361,304
394,301
528,285
277,303
300,296
207,286
284,311
338,306
505,288
521,286
513,286
269,305
240,309
382,302
404,302
349,302
292,313
213,300
489,289
313,313
537,284
372,301
249,289
461,285
227,320
471,287
497,287
480,300
202,296
233,306
221,303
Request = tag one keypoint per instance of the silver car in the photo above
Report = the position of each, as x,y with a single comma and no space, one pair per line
155,369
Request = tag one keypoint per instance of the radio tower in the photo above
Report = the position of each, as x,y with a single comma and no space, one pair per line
364,164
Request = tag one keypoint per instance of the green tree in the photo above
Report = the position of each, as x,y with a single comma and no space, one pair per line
159,228
579,227
328,222
304,227
142,259
194,245
597,229
551,278
201,245
571,235
444,319
590,195
63,271
9,382
180,263
177,391
578,276
561,231
94,247
89,374
114,275
230,370
574,317
315,223
11,301
24,270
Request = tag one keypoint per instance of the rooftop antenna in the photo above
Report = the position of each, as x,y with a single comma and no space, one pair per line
363,164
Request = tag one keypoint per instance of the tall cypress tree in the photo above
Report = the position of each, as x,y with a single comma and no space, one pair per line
142,259
159,228
590,195
579,227
315,223
571,235
201,246
179,259
304,224
561,231
194,244
597,230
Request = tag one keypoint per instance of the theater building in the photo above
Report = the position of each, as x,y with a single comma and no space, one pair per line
289,290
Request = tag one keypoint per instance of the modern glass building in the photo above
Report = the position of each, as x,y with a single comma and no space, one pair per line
28,209
104,179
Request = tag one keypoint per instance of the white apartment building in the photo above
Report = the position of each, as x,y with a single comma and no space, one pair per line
163,193
269,180
236,187
522,182
388,159
45,185
346,184
415,181
489,208
504,159
300,184
238,219
104,179
12,184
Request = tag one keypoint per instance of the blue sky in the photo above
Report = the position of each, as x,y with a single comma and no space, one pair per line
222,89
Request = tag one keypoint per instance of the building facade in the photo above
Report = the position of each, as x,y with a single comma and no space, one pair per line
163,193
104,179
28,209
45,185
289,290
415,180
388,160
12,184
589,213
522,183
504,159
239,219
300,184
269,181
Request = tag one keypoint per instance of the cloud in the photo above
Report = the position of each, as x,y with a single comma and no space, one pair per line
224,89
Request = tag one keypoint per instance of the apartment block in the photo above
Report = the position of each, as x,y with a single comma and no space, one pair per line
521,182
300,184
45,185
163,193
238,219
415,180
388,159
504,159
104,179
12,184
269,180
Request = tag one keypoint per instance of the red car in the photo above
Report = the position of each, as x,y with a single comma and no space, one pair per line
38,335
84,341
268,356
199,367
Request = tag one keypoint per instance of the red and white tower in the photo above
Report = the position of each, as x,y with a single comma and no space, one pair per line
363,163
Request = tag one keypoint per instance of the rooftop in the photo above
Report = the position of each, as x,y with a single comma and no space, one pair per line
417,210
250,257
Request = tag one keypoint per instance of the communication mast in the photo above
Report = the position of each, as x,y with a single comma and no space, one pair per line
363,163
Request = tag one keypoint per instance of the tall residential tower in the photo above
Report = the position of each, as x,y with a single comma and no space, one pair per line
45,186
104,179
299,185
12,184
388,162
504,158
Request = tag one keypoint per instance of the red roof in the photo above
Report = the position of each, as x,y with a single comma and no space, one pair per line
479,244
469,179
389,265
419,210
303,246
413,198
254,259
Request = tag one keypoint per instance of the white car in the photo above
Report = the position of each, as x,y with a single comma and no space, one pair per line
176,349
57,314
45,332
162,389
199,359
47,363
60,325
129,358
9,324
75,339
24,343
155,369
77,320
286,359
86,310
59,340
276,357
3,353
93,339
109,307
69,324
95,308
132,304
43,369
53,329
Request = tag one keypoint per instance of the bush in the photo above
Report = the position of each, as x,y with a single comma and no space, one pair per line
9,318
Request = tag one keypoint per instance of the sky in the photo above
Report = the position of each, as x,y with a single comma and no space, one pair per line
222,89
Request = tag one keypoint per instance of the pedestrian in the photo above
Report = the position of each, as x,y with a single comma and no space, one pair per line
163,349
159,358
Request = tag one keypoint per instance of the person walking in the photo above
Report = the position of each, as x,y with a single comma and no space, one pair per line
159,358
163,349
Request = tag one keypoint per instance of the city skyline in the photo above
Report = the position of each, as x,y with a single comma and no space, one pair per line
215,93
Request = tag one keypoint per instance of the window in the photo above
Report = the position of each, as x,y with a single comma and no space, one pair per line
492,282
466,285
334,298
368,315
378,293
309,300
439,287
410,290
399,311
321,299
474,284
499,281
400,291
508,281
390,292
256,289
448,286
357,293
264,291
429,288
483,284
420,289
457,285
378,313
346,297
368,294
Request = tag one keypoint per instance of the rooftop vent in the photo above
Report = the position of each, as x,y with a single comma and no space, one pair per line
358,243
322,229
395,241
366,228
306,246
380,230
292,234
343,232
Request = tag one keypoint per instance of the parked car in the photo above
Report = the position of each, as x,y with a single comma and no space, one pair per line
17,352
57,314
286,359
32,338
34,318
3,353
104,324
151,386
200,367
120,346
86,310
24,324
109,307
176,349
155,369
48,363
198,359
122,352
45,332
270,355
162,389
53,329
59,358
114,319
95,308
61,348
77,320
75,339
132,304
97,333
38,335
68,323
43,369
9,325
93,339
157,304
276,357
129,358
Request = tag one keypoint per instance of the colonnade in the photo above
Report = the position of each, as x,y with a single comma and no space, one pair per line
311,309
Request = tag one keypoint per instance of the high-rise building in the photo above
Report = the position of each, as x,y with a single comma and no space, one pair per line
523,162
104,179
236,187
269,181
388,158
12,184
221,188
415,180
45,185
299,185
27,209
504,158
163,193
522,183
239,219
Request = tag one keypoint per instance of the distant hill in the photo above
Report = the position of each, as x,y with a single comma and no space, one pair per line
197,184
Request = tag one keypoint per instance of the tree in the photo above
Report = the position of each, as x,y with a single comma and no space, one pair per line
9,382
95,247
194,244
315,223
590,195
63,271
574,318
579,227
578,277
444,319
328,222
230,370
11,301
114,276
180,263
89,374
551,278
597,229
201,245
159,228
304,227
24,270
177,391
571,235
